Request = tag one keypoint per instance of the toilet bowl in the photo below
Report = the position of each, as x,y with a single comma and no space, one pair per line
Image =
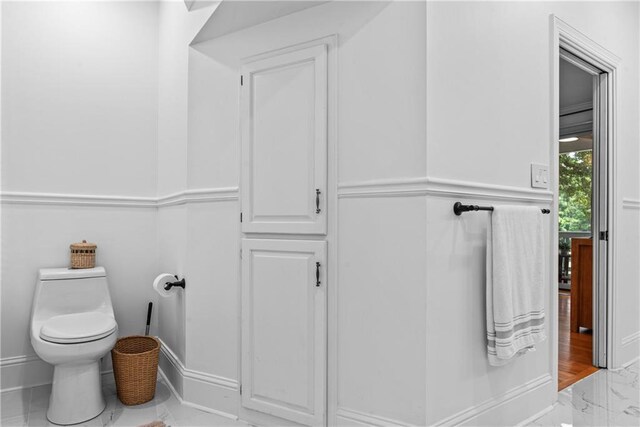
72,327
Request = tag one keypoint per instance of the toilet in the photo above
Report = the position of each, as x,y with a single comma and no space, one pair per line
72,327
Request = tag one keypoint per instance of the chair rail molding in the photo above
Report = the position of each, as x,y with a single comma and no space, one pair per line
628,203
442,187
396,187
199,195
68,199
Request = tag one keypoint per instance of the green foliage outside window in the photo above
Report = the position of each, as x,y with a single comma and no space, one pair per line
575,191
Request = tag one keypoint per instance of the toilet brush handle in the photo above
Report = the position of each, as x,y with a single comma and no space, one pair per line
149,309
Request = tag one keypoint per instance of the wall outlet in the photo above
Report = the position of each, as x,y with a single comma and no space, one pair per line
539,176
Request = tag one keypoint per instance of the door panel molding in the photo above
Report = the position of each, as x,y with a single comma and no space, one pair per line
284,346
283,118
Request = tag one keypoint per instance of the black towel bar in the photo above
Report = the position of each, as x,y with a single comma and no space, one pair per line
459,208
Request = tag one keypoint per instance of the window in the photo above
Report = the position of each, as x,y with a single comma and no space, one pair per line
575,191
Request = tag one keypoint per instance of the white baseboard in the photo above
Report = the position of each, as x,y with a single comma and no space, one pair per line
507,409
629,339
200,390
349,417
20,372
534,417
630,362
209,393
169,367
24,371
627,352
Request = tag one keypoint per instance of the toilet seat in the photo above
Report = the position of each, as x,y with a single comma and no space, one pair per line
77,328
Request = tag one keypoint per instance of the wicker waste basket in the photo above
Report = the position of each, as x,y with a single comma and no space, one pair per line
135,367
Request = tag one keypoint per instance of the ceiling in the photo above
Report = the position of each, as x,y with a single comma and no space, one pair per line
576,85
235,15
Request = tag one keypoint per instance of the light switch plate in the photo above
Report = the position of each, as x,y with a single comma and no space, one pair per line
539,176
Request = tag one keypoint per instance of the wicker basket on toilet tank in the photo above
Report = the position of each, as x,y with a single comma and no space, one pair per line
83,255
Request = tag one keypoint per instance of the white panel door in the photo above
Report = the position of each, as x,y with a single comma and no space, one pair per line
284,143
283,328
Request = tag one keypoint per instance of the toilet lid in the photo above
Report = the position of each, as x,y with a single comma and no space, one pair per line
78,327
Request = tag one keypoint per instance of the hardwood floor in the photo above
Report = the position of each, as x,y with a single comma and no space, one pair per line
574,349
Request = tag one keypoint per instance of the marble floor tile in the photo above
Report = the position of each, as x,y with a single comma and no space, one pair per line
14,403
204,419
28,407
19,421
606,398
40,398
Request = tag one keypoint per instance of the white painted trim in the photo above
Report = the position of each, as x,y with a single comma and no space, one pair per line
578,44
18,360
537,415
196,375
170,384
554,169
211,379
38,371
630,203
18,372
59,199
631,338
200,195
627,364
581,45
190,379
189,404
350,416
468,414
173,359
450,187
431,186
404,187
332,233
384,188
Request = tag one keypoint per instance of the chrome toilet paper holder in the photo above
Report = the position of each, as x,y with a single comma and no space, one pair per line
180,284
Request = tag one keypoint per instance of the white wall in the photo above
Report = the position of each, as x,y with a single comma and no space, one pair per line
79,106
488,117
177,27
80,96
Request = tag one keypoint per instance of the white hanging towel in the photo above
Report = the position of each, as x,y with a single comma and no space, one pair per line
515,282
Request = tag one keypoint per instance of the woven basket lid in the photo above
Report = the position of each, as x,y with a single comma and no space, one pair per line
83,245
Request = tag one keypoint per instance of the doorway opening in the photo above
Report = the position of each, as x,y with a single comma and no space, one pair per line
582,219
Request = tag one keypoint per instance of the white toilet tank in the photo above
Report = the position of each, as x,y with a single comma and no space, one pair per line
65,291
